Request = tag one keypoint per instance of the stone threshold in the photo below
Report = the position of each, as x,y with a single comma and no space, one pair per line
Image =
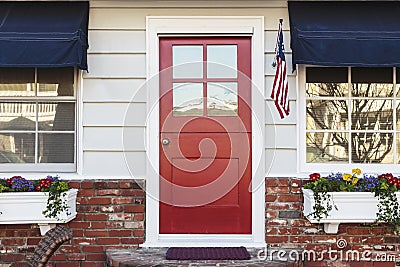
147,257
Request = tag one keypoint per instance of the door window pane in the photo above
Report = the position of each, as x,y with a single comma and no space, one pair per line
221,61
187,61
187,99
222,99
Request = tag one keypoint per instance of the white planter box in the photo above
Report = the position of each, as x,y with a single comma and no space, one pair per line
27,207
352,207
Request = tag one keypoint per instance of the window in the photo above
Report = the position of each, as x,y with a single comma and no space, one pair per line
351,117
37,119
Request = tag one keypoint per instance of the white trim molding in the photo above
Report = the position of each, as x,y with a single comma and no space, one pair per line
205,26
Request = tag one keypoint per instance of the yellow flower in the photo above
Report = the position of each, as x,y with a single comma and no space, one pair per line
356,171
347,177
355,180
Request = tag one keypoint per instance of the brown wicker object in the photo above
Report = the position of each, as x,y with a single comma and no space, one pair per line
49,244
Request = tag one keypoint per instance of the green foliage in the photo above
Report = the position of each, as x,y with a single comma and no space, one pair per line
56,201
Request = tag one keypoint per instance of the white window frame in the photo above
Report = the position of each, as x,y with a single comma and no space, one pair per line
205,26
326,168
48,167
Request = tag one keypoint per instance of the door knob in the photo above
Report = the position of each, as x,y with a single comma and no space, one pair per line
165,141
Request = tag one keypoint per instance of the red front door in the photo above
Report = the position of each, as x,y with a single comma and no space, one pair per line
205,135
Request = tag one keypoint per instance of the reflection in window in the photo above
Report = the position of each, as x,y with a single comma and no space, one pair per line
187,99
187,61
222,99
36,126
355,126
221,61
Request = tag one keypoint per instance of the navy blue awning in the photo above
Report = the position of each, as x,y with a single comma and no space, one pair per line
44,34
355,33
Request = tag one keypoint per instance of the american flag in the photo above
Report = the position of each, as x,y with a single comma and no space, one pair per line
280,90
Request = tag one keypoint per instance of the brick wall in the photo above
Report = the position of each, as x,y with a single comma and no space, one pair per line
110,215
287,228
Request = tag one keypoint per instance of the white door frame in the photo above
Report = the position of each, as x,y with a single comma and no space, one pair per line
205,26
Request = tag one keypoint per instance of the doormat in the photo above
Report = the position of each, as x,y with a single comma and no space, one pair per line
208,253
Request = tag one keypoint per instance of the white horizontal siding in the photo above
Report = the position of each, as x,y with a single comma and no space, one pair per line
280,136
272,115
114,114
114,164
269,82
280,162
116,66
117,41
114,90
134,19
270,39
114,139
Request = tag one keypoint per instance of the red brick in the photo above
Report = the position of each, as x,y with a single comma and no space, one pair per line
11,257
69,249
92,233
361,264
98,225
277,206
138,233
33,241
276,239
122,200
74,185
99,201
125,185
271,182
13,242
288,231
316,264
283,182
59,257
120,233
125,240
301,239
134,209
271,231
372,240
296,183
93,249
86,193
92,264
96,257
270,214
138,217
80,225
279,190
300,222
87,185
76,257
358,231
133,193
77,232
84,241
108,192
270,198
96,217
67,264
288,198
108,241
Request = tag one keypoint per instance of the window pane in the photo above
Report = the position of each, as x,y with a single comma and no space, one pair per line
222,99
56,148
17,148
370,114
327,147
187,99
56,82
17,82
370,82
56,116
17,116
398,117
326,82
398,81
327,115
187,61
372,147
221,61
398,147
